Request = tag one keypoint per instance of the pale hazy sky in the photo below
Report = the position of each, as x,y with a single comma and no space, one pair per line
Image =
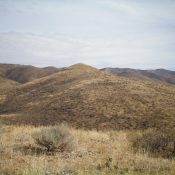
102,33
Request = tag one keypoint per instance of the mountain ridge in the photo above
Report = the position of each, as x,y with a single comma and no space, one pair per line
163,75
26,73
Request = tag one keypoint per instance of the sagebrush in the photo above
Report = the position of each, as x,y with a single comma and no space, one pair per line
55,138
156,142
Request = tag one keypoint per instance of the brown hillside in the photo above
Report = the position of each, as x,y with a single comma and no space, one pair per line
158,74
6,85
24,73
86,97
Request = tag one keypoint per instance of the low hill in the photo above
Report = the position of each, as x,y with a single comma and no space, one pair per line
24,73
158,74
88,98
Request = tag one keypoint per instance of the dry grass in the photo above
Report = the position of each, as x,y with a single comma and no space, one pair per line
87,98
97,153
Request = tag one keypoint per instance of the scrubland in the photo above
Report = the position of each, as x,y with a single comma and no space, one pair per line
116,125
94,152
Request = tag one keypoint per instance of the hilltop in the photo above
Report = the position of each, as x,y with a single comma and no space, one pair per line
86,97
163,75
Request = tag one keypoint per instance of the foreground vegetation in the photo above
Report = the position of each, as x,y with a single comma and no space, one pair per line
92,153
157,143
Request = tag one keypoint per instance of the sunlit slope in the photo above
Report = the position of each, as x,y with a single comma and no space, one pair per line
6,84
86,97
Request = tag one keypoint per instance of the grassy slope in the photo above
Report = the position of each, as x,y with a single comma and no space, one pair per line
103,153
86,97
6,84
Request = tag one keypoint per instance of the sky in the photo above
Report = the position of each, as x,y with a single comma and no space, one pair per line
102,33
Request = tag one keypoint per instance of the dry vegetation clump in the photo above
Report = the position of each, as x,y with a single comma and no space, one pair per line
55,138
155,142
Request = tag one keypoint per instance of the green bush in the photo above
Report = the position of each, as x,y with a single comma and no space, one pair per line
155,142
55,138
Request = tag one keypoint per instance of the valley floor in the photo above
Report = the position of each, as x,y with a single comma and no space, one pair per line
103,153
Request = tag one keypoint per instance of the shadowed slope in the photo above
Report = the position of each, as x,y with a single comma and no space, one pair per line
158,74
5,83
86,97
24,73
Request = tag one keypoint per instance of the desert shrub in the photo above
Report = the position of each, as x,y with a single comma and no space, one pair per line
55,138
155,142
